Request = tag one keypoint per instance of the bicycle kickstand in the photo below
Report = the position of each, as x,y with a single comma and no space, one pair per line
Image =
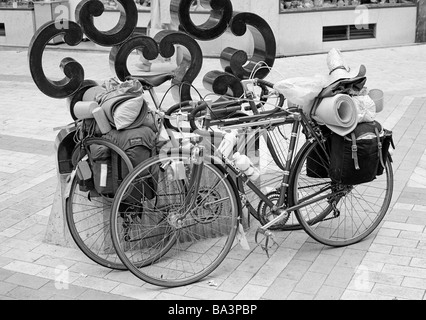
268,235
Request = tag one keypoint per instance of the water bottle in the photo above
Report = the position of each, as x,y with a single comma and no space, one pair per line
228,143
243,163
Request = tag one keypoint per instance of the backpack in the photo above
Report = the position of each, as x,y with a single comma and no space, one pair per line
360,156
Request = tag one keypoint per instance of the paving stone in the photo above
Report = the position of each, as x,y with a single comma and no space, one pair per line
358,295
351,258
340,277
251,292
329,293
209,294
69,291
22,293
387,258
405,271
296,269
29,281
397,242
300,296
24,267
99,295
273,267
398,292
253,262
310,283
280,289
171,297
324,263
4,274
135,292
98,284
236,281
22,255
359,284
6,287
89,269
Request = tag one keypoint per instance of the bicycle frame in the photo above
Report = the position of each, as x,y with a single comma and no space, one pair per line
298,120
296,117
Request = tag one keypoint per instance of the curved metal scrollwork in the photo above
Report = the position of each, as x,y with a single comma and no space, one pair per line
237,64
74,73
223,83
264,47
119,54
213,27
191,60
87,9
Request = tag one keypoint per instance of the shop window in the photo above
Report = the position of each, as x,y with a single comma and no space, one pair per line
2,30
352,32
309,5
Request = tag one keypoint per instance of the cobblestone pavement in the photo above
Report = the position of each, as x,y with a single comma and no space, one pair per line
391,264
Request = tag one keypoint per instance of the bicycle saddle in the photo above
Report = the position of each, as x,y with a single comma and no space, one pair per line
153,81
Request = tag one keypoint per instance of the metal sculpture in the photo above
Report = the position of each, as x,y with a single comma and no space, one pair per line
123,39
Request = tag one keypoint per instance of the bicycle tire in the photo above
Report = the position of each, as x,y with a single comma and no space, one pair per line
82,211
167,250
349,214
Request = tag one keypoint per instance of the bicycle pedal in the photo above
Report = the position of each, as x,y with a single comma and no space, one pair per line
268,236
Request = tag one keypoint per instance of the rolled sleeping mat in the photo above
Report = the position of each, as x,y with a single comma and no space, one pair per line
84,109
338,113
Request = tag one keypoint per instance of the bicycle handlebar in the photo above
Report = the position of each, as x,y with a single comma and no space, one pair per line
220,108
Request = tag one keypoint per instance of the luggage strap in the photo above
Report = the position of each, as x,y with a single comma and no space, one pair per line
355,152
355,149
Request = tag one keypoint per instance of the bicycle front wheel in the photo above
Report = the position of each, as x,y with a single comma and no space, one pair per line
343,215
164,231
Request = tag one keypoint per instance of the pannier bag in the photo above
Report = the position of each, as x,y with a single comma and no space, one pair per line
85,176
109,170
387,143
359,157
317,164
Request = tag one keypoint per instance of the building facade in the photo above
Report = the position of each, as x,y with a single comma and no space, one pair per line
300,26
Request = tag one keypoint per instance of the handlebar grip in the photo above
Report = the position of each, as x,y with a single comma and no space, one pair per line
265,83
262,82
191,119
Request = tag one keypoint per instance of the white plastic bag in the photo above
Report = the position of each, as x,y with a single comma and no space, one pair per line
301,91
366,108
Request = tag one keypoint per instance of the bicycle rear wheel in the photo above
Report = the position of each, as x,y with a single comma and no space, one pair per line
346,214
168,243
88,214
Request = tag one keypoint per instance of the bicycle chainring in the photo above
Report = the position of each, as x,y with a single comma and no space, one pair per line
265,213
